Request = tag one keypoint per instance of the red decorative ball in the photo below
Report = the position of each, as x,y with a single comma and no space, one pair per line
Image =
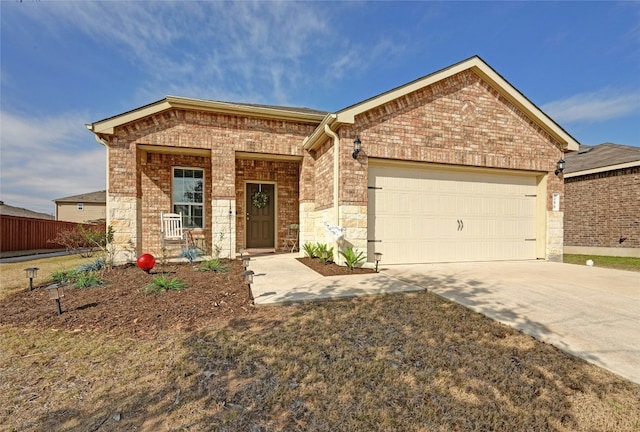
146,262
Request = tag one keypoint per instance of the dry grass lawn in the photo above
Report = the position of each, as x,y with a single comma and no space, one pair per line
413,362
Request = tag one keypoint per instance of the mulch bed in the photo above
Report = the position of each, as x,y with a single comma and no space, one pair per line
119,306
331,269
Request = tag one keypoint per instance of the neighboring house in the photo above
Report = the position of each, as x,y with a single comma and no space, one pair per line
84,208
8,210
602,206
455,166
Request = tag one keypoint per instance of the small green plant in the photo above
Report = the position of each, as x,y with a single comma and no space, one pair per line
162,283
98,264
352,258
310,250
190,254
214,265
87,280
324,253
63,276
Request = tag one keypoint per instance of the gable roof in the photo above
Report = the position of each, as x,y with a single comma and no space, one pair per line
476,64
108,125
600,158
8,210
98,197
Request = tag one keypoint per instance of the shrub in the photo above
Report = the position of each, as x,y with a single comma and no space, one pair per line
162,283
352,258
63,276
320,249
98,264
87,280
190,254
310,250
214,265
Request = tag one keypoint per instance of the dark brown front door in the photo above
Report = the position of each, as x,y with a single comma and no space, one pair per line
260,221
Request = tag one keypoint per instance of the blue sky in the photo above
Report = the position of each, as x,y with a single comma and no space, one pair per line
65,64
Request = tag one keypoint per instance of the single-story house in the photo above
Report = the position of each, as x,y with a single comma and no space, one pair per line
602,206
84,208
455,166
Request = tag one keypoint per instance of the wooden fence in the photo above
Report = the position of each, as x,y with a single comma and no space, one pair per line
22,233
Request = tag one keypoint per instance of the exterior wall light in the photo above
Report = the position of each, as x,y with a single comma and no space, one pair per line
32,273
378,258
56,292
248,277
560,166
357,146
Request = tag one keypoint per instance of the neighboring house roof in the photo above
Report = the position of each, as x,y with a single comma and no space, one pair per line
600,158
8,210
108,125
98,197
477,65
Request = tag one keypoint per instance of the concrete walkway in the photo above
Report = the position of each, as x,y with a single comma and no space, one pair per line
590,312
282,279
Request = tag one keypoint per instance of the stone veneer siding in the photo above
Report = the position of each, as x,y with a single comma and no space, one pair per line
602,207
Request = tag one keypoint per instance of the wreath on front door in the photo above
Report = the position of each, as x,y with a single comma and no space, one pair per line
260,199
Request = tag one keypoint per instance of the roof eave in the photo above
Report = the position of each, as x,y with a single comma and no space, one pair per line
108,126
602,169
488,74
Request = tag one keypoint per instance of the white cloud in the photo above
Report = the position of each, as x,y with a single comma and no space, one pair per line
596,106
47,158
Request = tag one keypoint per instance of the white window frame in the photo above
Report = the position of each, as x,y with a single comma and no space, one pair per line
187,218
80,206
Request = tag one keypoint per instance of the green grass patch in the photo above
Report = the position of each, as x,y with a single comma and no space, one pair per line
620,263
13,277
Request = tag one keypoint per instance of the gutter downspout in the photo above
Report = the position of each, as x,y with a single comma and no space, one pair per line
336,173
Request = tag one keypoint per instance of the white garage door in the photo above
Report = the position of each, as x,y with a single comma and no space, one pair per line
419,215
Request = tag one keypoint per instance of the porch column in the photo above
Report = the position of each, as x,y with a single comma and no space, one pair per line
223,203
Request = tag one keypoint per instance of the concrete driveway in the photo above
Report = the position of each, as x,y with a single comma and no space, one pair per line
590,312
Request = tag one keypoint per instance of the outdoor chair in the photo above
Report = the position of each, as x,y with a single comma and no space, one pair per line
171,230
290,242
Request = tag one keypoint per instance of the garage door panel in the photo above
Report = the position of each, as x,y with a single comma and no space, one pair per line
434,215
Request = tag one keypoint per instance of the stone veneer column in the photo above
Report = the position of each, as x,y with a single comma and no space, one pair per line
555,236
354,219
122,215
308,222
223,228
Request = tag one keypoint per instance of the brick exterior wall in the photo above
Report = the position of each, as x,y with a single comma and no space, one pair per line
458,121
144,176
156,189
602,207
286,176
